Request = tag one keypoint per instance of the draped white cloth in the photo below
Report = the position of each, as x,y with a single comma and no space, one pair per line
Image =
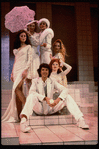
35,62
22,62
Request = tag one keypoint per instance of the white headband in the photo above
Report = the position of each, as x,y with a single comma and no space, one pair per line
31,21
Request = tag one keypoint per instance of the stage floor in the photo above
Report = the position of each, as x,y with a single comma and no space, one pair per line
51,134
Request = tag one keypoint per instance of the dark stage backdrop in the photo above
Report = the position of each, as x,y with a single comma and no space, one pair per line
64,26
94,27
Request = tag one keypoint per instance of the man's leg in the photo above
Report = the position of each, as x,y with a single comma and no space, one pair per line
73,107
28,107
38,108
75,111
57,108
27,111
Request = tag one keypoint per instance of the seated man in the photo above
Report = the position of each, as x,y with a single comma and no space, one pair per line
40,99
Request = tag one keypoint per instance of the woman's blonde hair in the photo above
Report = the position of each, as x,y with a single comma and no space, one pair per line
62,48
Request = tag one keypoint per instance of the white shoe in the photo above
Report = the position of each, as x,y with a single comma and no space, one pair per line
24,127
81,123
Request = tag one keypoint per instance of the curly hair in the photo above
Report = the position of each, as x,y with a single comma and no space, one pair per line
45,66
62,48
17,42
51,63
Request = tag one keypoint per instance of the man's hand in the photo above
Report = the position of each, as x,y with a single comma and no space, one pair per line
48,102
56,101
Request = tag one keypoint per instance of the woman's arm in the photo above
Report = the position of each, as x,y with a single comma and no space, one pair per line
29,55
35,40
65,72
61,57
14,52
12,79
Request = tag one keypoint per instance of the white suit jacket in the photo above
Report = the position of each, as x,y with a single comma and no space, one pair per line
37,89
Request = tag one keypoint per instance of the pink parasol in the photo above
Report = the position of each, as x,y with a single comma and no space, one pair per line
18,17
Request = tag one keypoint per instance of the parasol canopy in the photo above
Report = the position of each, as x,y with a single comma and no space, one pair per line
18,17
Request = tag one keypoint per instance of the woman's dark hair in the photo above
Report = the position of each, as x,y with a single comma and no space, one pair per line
45,66
17,42
52,61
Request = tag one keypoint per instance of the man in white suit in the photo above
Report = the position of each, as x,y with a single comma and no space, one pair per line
40,99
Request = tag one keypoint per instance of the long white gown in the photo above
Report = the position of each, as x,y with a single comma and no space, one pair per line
60,77
64,77
22,62
35,62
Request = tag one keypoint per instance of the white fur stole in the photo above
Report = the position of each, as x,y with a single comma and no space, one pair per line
45,32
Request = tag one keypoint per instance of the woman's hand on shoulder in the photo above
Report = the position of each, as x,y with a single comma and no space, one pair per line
29,34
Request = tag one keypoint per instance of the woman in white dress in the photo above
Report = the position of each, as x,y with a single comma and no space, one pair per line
35,62
58,74
59,51
44,39
21,65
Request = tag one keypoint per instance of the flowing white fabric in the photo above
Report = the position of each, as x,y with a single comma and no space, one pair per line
10,114
21,63
45,33
35,62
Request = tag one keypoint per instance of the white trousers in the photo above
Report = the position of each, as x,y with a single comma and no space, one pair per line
45,57
32,104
